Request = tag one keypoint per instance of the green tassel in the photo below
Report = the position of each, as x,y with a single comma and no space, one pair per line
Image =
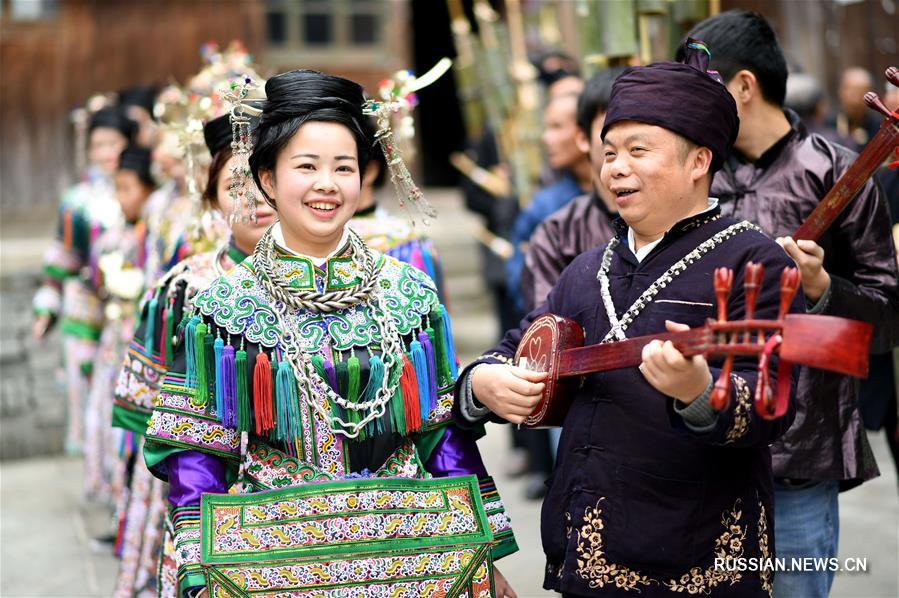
396,401
243,392
438,338
150,330
353,373
201,391
319,364
342,378
170,336
209,356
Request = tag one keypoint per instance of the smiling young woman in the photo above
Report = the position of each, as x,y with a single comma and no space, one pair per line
327,362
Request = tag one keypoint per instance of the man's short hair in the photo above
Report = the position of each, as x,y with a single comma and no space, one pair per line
684,147
595,97
741,39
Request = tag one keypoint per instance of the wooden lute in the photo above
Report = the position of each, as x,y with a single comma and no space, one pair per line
554,344
885,142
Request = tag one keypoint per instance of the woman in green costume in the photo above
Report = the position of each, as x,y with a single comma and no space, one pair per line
315,380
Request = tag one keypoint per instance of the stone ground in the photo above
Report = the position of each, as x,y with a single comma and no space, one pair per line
46,528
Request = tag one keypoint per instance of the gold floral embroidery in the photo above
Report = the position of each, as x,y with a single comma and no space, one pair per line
728,546
766,574
598,572
741,410
592,565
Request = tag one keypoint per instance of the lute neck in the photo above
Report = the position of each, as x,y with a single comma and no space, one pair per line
629,353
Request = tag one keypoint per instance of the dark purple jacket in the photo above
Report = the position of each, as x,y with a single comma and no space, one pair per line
639,503
582,224
777,192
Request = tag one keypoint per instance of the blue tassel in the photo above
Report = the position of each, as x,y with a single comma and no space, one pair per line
450,346
218,347
229,388
150,332
375,378
288,414
430,268
190,333
428,347
420,363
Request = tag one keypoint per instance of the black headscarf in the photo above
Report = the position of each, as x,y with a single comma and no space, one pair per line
687,99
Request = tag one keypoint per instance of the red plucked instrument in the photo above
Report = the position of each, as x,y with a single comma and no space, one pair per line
554,345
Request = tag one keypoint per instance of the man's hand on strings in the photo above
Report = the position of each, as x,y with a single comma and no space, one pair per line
809,256
509,391
672,374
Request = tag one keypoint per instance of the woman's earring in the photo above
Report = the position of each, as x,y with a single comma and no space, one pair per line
242,191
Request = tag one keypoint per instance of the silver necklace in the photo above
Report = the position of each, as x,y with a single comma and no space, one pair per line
618,326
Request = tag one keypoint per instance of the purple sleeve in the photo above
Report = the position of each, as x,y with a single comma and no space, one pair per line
456,454
191,473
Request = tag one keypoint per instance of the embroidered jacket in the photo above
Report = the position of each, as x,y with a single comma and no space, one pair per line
641,502
393,236
151,351
230,375
69,290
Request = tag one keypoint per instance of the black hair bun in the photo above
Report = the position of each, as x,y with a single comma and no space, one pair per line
301,92
113,117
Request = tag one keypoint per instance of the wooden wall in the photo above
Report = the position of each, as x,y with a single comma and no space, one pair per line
49,67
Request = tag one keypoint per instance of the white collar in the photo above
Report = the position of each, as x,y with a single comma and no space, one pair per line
278,235
641,253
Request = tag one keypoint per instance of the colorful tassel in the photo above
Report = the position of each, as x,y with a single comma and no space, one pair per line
427,344
218,348
420,363
288,404
262,394
409,390
150,332
229,381
243,393
190,341
450,345
201,391
163,329
170,334
353,379
331,375
375,378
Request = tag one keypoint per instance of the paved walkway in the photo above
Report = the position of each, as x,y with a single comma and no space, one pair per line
46,528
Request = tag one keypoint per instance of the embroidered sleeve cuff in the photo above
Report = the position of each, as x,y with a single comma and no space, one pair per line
823,301
698,415
471,410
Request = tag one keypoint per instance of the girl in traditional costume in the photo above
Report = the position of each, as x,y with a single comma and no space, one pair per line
318,375
117,259
150,354
86,210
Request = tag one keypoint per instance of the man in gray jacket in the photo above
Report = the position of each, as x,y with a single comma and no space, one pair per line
775,176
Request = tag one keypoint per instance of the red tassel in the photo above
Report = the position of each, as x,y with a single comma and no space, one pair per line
262,394
409,388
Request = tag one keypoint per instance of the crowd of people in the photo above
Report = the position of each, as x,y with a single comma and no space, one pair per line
260,365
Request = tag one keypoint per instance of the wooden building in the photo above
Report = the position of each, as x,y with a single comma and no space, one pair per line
55,53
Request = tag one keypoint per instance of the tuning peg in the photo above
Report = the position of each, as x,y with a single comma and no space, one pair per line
789,285
724,280
892,75
873,102
752,281
720,396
